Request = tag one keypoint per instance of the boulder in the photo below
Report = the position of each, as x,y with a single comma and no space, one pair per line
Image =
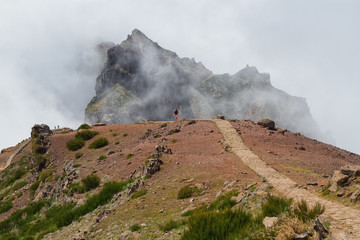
351,170
339,179
270,222
220,117
270,124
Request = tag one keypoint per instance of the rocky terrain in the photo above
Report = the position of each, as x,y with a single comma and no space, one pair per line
56,191
142,81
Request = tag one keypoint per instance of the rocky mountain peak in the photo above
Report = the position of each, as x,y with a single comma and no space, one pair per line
143,81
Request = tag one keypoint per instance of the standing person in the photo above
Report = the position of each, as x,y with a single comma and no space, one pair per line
176,112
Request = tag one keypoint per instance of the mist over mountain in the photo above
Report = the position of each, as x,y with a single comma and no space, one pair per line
143,81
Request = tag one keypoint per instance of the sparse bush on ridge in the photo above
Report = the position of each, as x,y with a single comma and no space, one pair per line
102,157
75,144
84,126
86,135
98,143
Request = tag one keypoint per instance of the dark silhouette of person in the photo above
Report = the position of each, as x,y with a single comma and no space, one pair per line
176,112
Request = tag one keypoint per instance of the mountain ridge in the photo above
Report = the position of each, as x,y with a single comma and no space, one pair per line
162,81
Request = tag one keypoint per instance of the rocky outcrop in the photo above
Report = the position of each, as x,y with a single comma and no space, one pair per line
270,124
40,138
142,81
346,182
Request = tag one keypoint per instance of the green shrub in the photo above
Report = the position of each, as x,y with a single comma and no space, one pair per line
138,194
78,155
77,187
105,195
41,161
34,187
135,228
130,155
84,126
115,134
90,182
303,212
5,206
98,143
102,157
125,134
274,206
188,213
19,185
170,225
188,191
76,165
174,141
86,135
12,177
226,224
75,144
224,201
4,194
116,143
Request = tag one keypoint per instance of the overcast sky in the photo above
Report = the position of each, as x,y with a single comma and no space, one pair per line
310,48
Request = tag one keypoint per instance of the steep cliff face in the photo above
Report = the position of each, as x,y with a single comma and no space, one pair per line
142,81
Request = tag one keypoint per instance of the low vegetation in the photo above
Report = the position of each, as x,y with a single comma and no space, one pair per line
75,144
130,155
135,228
125,134
170,225
86,135
40,218
138,194
188,191
78,155
84,126
99,143
86,184
102,157
221,221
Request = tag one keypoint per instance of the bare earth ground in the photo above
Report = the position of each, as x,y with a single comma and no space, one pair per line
198,158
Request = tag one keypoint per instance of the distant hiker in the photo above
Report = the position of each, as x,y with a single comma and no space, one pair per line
176,112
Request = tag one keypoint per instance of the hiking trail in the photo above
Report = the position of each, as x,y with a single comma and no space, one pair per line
345,221
16,152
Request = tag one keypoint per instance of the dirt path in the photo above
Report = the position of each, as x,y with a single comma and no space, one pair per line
17,151
345,221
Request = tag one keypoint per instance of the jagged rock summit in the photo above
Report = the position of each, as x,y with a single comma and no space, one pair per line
143,81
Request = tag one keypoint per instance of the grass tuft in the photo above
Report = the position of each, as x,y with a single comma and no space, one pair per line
138,194
86,135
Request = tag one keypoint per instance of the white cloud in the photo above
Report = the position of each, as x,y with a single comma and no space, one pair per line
310,48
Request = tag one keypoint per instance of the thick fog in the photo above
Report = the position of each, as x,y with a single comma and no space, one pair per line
48,62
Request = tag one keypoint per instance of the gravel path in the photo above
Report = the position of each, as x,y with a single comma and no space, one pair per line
18,150
345,221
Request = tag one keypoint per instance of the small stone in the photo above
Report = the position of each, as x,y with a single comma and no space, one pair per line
302,236
312,183
177,163
191,200
128,163
270,222
162,210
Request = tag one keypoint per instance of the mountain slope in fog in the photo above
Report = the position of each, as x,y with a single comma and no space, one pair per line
142,81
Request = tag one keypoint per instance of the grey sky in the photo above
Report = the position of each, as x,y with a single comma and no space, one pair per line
310,48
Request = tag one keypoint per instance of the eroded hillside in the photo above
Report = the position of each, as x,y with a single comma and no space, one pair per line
145,203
